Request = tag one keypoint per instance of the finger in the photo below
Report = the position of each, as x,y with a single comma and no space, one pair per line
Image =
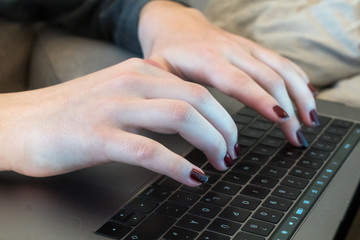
138,150
175,116
170,87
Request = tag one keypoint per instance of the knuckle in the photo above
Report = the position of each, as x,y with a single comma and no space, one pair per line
144,151
199,93
181,112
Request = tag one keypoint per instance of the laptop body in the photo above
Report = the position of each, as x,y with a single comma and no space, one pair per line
76,205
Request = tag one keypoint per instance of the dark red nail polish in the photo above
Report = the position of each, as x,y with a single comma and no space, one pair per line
302,138
198,176
280,112
237,149
228,160
312,89
315,118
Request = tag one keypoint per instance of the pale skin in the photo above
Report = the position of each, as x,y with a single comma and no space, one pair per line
95,119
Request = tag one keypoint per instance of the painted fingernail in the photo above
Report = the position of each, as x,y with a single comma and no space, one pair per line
198,176
312,89
315,118
280,112
302,138
228,160
237,149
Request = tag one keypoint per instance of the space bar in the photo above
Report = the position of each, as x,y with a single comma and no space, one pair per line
151,228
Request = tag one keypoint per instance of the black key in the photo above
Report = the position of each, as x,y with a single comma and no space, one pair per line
294,182
290,152
246,141
323,145
246,168
217,199
313,153
272,142
122,215
128,217
336,130
213,177
197,157
309,137
224,226
207,235
270,171
255,191
261,125
253,133
177,233
167,183
226,188
310,163
342,123
286,192
237,178
205,210
142,205
238,118
155,194
302,172
281,162
245,202
239,126
258,227
249,112
203,188
255,158
172,209
264,150
113,230
277,133
247,236
235,214
312,130
192,222
277,203
268,215
263,181
323,120
330,137
184,198
152,227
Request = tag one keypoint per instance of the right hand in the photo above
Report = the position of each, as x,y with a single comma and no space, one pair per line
95,119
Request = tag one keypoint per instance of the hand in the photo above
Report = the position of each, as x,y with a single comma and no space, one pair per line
186,44
95,119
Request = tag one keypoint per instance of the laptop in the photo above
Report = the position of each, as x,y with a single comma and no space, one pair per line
274,191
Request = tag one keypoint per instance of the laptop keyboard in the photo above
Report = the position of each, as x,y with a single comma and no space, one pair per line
265,195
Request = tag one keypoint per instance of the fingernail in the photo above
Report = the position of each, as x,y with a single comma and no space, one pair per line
228,160
312,89
280,112
237,149
315,118
198,176
302,138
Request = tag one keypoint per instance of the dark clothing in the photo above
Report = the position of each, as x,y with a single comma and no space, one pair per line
112,20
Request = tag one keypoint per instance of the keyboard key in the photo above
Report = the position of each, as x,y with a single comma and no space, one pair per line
342,123
272,142
246,141
142,205
203,188
255,158
235,214
245,202
192,222
330,137
134,218
197,157
302,172
246,168
277,203
237,178
290,152
263,181
264,150
286,192
313,153
152,227
268,215
212,236
217,199
336,130
184,198
281,162
167,183
258,227
249,112
226,188
224,226
172,209
239,118
177,233
271,171
247,236
205,210
253,133
323,145
255,191
310,163
155,194
277,133
261,125
113,230
294,182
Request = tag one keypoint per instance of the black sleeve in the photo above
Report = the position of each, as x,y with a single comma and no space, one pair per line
112,20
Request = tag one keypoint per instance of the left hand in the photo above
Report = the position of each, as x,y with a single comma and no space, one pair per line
183,42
